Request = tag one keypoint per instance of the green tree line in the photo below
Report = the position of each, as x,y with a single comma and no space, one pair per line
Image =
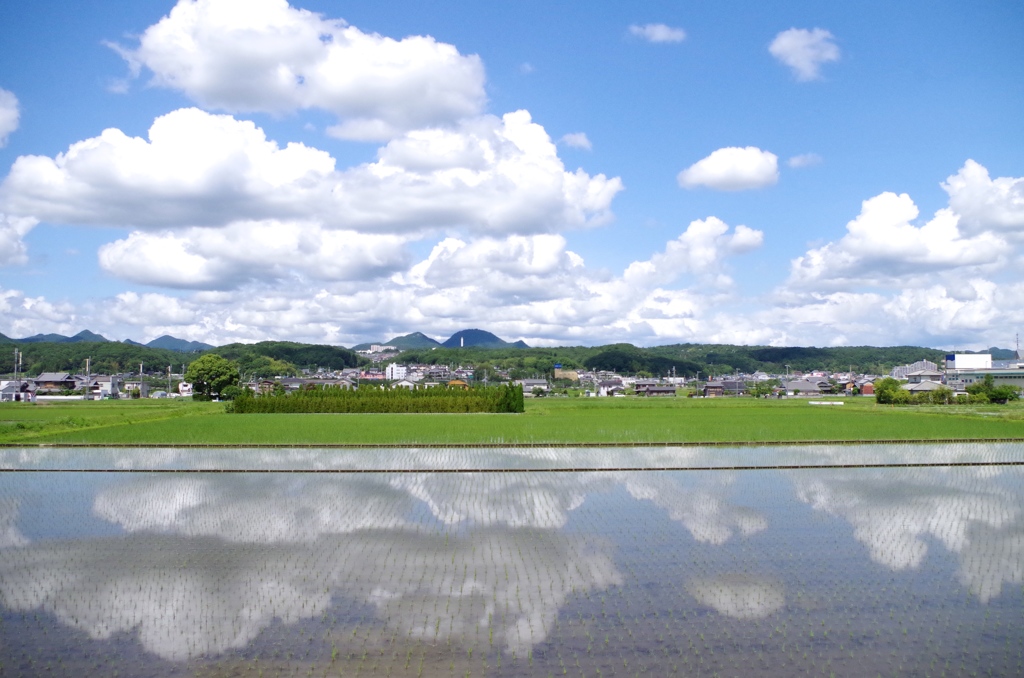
261,360
108,357
269,359
686,359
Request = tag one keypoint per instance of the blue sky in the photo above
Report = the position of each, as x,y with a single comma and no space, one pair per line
800,174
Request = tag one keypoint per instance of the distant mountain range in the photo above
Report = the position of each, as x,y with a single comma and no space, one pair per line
408,342
472,338
175,344
166,342
84,335
463,338
480,339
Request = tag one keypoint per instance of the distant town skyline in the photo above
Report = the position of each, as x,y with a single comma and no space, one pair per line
229,170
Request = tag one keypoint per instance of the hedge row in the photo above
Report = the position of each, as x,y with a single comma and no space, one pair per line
333,399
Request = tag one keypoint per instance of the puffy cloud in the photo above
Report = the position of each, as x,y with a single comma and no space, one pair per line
195,169
226,257
937,283
377,86
577,140
733,169
22,316
971,312
804,160
699,250
12,246
515,269
151,309
984,203
805,51
490,174
657,33
882,245
10,114
289,280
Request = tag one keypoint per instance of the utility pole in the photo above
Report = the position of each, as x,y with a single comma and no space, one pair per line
17,359
88,379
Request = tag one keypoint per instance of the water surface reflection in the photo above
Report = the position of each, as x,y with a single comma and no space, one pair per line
768,571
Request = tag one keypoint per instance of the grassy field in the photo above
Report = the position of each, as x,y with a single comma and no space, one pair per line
557,421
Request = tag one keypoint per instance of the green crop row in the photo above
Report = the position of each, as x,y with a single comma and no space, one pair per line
505,398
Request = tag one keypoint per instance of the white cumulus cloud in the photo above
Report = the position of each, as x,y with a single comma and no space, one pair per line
530,286
805,51
489,174
700,250
733,169
882,244
10,114
22,315
265,55
12,232
985,203
657,33
265,250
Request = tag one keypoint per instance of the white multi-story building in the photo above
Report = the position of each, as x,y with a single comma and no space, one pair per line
394,371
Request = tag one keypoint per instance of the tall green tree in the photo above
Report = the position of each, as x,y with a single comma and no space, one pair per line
211,374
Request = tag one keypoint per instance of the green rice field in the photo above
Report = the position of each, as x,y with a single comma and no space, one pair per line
546,421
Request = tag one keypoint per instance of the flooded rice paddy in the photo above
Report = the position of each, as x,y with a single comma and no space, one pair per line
650,562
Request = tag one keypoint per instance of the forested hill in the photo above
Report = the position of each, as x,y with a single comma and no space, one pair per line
687,359
281,358
265,359
108,357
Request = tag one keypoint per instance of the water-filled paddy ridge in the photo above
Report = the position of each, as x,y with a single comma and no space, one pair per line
158,562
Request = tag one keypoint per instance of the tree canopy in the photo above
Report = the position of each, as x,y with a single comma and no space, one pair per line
210,374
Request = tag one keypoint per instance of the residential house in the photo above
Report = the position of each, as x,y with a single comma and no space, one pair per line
656,390
714,389
54,382
734,387
136,384
530,384
923,386
803,387
918,376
